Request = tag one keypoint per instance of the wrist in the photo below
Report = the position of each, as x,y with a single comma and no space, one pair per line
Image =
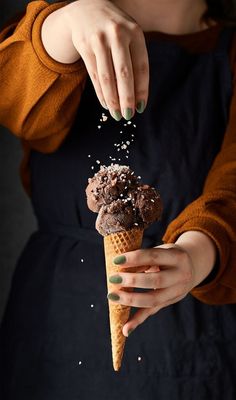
56,38
203,252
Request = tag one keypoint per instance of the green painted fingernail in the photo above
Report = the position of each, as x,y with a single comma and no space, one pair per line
128,113
117,115
119,260
130,331
115,279
140,106
113,296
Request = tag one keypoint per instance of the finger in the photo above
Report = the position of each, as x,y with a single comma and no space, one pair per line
140,62
151,280
91,66
154,256
154,298
137,319
143,313
106,78
124,79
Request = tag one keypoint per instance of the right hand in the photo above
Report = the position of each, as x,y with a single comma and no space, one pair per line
113,48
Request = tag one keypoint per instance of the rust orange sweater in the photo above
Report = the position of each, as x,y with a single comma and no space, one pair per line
38,103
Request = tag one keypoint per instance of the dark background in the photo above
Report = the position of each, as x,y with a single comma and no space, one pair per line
16,216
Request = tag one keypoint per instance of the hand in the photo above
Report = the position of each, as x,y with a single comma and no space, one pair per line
113,49
175,270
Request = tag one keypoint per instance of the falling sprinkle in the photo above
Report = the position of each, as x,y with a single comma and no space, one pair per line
152,201
127,156
82,260
128,143
104,117
132,135
125,124
139,358
99,126
80,362
121,131
124,146
139,177
89,155
92,305
98,162
129,122
92,167
134,125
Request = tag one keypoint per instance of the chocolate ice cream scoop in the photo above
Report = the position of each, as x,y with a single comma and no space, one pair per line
147,204
121,201
108,184
115,217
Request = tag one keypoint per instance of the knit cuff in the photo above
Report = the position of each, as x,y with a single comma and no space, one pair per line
39,49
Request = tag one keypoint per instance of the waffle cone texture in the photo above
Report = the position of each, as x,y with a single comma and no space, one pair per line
114,245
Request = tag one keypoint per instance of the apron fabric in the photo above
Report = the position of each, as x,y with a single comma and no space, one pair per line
55,340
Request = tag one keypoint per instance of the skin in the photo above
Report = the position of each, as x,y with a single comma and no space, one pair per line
109,38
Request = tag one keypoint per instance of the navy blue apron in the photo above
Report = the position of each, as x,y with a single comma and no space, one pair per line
55,340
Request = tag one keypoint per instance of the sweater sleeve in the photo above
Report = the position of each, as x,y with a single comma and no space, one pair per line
214,213
39,96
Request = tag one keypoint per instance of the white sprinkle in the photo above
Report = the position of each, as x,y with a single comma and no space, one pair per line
82,260
139,358
92,305
152,201
128,143
89,155
119,159
127,151
139,177
129,122
132,135
80,362
121,131
92,167
127,156
98,162
121,195
104,117
124,146
134,125
118,149
99,126
125,124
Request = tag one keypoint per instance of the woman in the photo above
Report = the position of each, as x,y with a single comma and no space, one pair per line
139,56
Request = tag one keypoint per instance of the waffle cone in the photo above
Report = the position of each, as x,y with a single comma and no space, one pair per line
116,244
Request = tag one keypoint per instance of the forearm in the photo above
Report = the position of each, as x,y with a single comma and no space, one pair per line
202,251
56,38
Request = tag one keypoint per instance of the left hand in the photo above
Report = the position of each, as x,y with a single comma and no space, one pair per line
175,270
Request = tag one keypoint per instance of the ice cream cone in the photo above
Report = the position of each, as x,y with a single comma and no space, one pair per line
116,244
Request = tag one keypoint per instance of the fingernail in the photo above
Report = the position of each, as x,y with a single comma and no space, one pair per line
113,296
140,106
115,279
128,113
130,331
116,115
119,260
